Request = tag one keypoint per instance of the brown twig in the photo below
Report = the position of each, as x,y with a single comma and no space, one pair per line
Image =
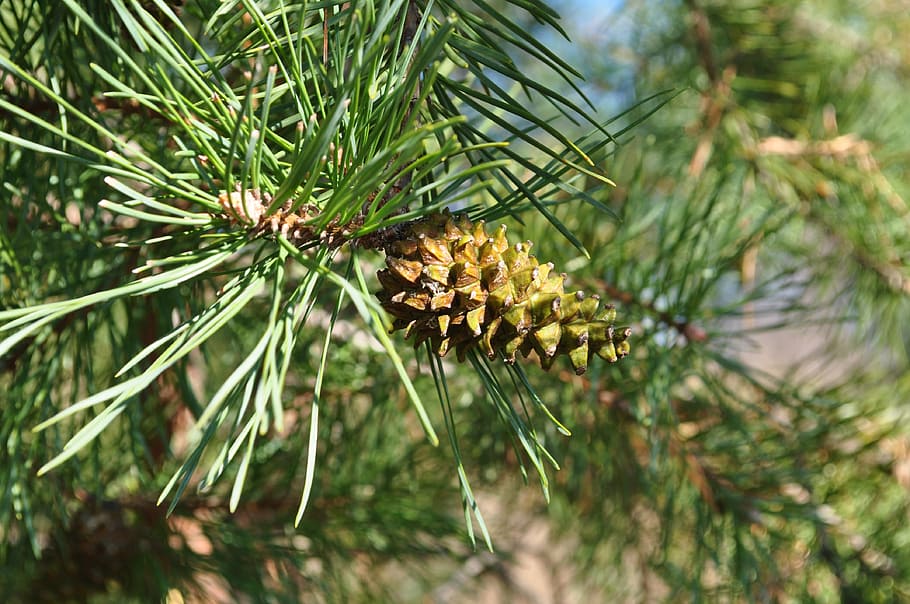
692,332
847,145
125,107
843,147
714,100
701,30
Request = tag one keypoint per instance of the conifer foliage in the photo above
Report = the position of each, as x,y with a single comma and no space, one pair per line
197,196
224,224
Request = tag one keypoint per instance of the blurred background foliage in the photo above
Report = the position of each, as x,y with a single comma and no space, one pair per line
754,447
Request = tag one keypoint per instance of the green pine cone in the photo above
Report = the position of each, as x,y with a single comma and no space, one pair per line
449,282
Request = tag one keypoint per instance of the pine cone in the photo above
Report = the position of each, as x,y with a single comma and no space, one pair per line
450,283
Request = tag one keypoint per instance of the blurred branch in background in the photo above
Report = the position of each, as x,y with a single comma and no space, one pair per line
753,459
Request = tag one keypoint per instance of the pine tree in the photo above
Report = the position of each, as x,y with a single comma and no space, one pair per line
218,216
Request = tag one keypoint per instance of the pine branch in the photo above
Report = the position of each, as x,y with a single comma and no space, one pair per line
270,168
692,332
